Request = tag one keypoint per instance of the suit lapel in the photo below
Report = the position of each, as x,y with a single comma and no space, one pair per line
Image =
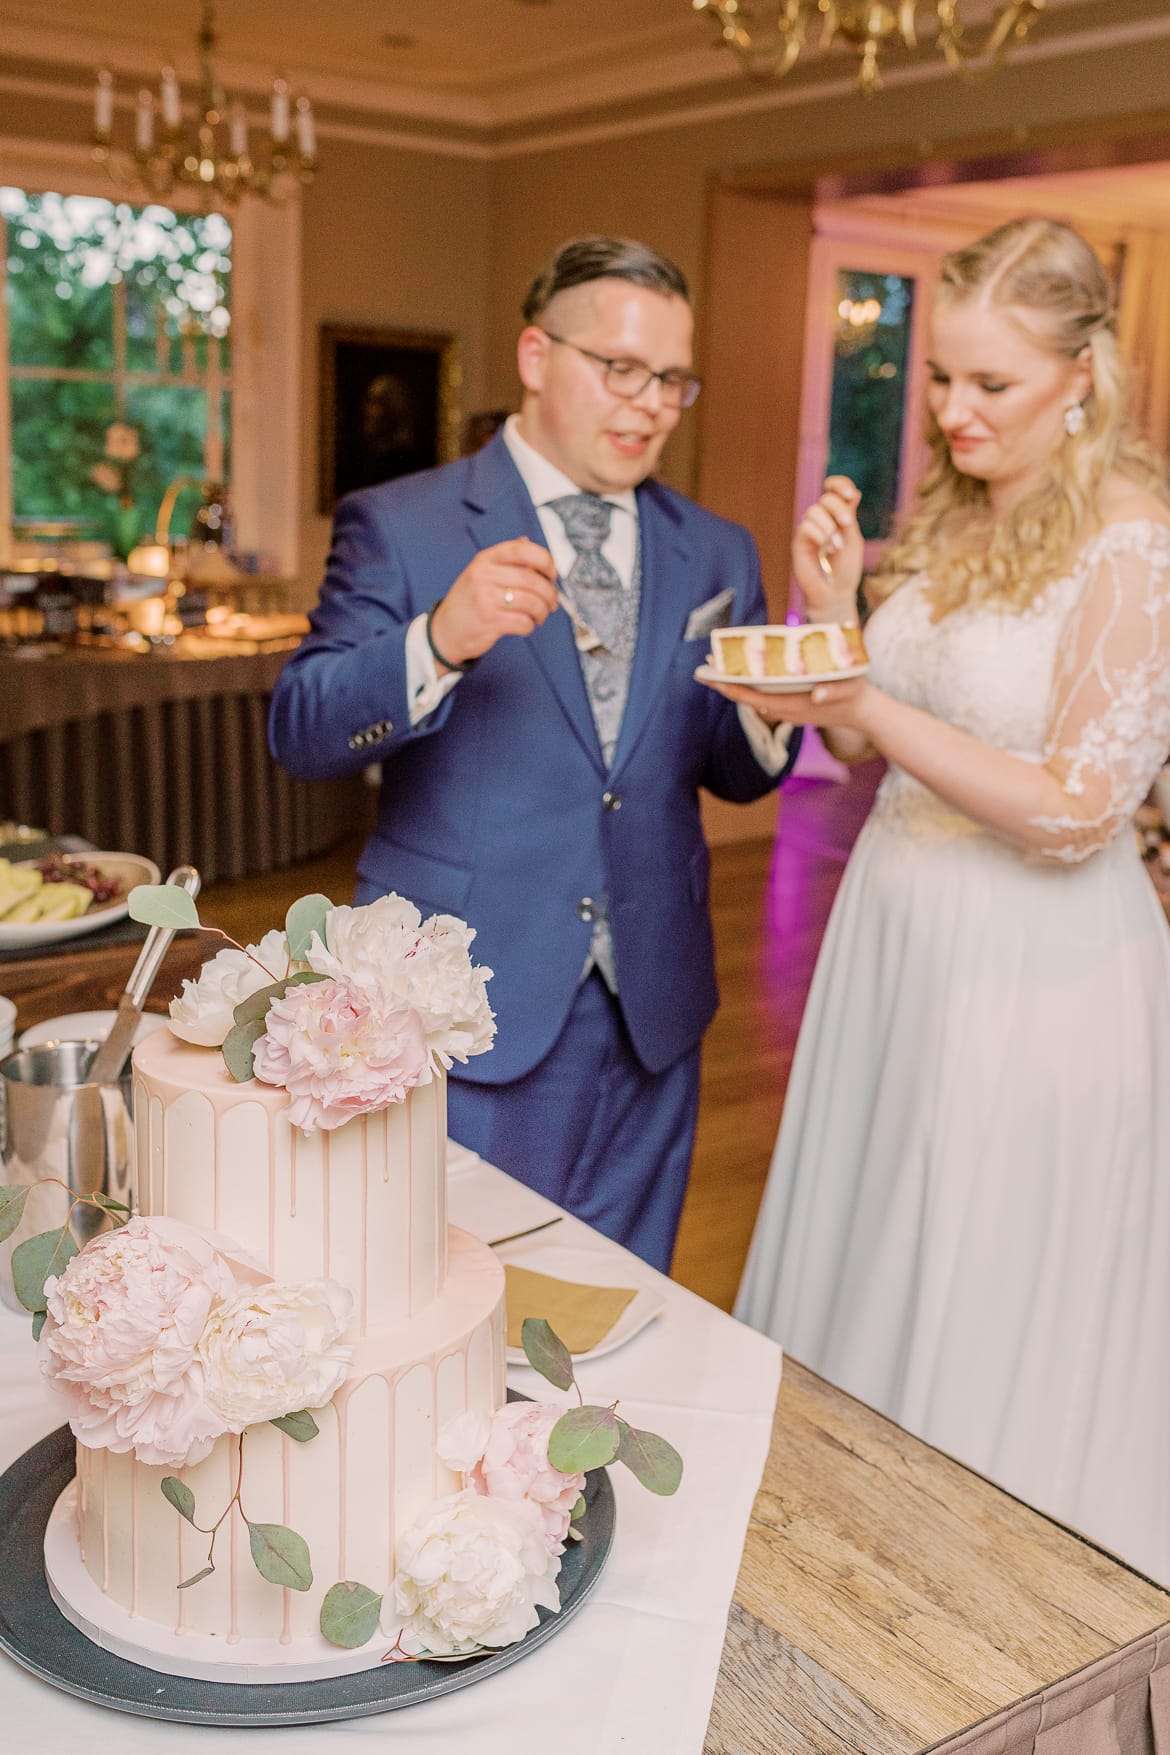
499,509
661,615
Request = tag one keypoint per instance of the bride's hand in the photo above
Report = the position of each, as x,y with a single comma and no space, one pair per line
834,705
828,553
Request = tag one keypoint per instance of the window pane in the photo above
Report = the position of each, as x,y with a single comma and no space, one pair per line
60,432
60,300
870,355
172,421
177,269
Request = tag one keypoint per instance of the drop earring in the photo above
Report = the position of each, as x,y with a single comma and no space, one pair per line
1074,419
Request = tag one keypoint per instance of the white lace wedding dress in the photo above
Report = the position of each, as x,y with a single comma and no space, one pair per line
967,1219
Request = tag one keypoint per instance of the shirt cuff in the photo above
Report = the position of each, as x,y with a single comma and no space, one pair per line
425,688
769,743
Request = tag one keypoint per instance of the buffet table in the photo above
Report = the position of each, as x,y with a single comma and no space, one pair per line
888,1601
164,755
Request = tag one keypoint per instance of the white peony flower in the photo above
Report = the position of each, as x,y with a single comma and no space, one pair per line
274,1350
388,949
203,1012
472,1572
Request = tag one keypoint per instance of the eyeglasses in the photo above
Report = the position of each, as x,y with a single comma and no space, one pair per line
628,378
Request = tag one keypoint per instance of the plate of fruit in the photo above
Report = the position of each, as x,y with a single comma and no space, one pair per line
66,894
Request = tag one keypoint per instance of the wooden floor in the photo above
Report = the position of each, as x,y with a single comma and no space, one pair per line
769,905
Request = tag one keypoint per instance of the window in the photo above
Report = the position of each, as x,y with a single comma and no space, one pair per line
118,317
871,351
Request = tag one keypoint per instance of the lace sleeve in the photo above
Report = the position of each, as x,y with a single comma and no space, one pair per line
1109,728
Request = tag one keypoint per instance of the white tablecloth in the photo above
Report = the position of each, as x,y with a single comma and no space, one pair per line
635,1671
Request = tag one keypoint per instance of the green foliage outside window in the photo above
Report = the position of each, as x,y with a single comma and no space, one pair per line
870,356
114,314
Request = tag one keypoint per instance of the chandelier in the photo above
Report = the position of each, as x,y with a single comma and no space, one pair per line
769,49
215,158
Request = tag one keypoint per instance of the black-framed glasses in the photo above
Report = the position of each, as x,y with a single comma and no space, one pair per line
628,378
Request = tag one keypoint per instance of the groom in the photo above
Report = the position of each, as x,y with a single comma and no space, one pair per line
514,637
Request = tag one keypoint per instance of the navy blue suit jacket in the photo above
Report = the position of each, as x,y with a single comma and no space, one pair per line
498,806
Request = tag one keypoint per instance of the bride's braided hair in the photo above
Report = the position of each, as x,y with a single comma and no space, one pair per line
1047,272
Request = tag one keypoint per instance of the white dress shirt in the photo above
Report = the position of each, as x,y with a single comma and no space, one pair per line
425,688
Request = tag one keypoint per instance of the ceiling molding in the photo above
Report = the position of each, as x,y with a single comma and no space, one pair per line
602,108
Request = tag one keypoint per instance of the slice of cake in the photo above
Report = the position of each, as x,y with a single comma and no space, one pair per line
731,652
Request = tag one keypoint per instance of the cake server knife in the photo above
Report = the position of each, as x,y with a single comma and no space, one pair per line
106,1066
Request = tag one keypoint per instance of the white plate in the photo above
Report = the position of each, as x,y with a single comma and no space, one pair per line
85,1027
129,868
779,685
585,1267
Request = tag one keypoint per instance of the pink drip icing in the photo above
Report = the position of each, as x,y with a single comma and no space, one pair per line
105,1520
386,1141
390,1435
286,1515
181,1623
341,1408
366,1226
215,1157
271,1198
325,1203
133,1539
233,1637
292,1172
409,1204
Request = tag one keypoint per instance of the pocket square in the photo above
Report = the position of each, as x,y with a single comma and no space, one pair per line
715,613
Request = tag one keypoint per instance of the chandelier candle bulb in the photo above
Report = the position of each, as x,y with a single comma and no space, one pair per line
103,103
306,129
238,131
144,122
170,105
280,112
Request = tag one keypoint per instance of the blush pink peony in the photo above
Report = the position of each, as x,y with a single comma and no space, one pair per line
507,1458
124,1323
340,1051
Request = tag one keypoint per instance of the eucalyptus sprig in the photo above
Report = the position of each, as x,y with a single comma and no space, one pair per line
278,1553
46,1254
171,907
589,1437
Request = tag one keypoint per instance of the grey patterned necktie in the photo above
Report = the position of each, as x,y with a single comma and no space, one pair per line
592,584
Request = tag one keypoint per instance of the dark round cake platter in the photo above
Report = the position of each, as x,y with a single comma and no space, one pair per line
37,1635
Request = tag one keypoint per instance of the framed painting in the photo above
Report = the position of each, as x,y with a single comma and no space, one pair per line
389,407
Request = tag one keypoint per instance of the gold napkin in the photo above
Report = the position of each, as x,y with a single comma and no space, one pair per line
581,1315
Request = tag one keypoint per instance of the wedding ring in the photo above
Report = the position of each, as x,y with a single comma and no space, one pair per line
509,597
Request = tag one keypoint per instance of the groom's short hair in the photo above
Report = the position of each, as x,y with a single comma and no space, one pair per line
581,260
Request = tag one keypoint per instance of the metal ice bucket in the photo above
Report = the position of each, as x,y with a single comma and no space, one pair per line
55,1125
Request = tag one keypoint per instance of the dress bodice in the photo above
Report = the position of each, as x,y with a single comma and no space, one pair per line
1063,680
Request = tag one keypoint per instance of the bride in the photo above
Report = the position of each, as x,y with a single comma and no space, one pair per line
967,1219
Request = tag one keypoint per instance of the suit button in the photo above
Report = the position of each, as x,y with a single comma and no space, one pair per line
611,801
585,908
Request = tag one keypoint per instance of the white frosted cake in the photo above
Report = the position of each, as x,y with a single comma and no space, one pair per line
347,1218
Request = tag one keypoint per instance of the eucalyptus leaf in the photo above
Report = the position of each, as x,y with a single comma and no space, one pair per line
36,1260
546,1352
108,1205
197,1578
162,905
300,1426
181,1497
12,1201
239,1049
656,1463
349,1614
280,1555
578,1510
256,1005
584,1438
40,1317
304,918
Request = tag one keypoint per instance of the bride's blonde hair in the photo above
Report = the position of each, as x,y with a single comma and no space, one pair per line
1047,272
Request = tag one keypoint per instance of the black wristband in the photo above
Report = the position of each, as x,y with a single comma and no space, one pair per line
449,663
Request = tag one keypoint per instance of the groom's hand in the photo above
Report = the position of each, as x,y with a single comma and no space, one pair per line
510,588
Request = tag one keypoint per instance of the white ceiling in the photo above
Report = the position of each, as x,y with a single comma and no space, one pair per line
467,63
